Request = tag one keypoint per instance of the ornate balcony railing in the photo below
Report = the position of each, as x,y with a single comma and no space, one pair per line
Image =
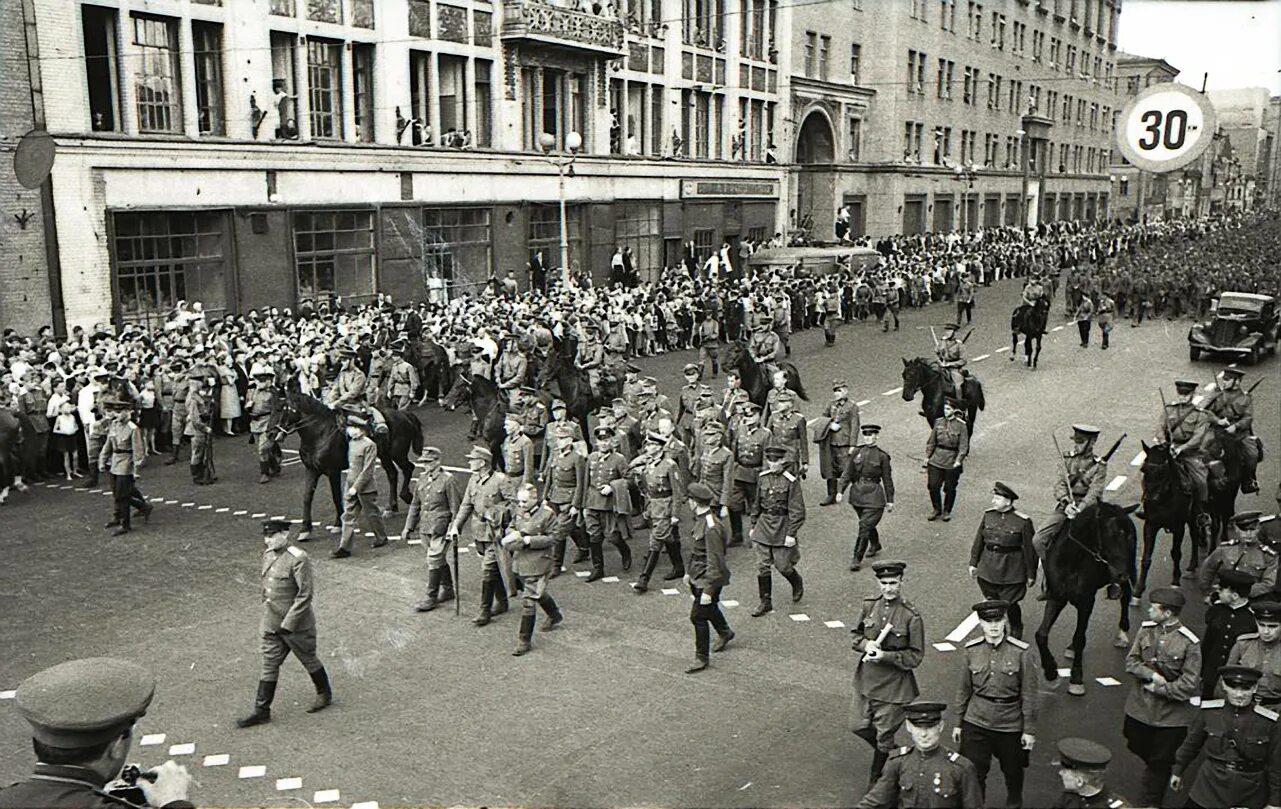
564,27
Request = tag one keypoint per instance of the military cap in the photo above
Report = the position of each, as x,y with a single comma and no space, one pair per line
692,368
479,453
1240,676
1005,491
347,353
428,455
888,568
1185,385
700,492
1266,612
1086,430
785,396
603,431
270,527
358,421
1233,372
775,451
1076,753
1246,519
870,428
589,325
714,426
631,368
924,714
559,404
650,382
618,400
82,703
1237,580
750,408
991,609
1168,596
655,437
839,383
764,321
262,369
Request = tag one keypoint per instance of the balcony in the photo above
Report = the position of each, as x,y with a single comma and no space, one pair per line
545,23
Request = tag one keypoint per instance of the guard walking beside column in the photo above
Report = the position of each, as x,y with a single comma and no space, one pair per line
945,452
1002,559
835,438
530,542
706,575
437,495
871,482
779,513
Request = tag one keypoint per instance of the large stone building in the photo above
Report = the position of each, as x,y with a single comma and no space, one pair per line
1244,116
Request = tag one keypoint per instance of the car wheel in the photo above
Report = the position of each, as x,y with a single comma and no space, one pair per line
1194,353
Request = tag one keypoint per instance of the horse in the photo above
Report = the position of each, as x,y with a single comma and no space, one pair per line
435,375
1167,506
924,375
13,435
488,410
752,375
323,449
1029,321
1077,563
573,387
1224,483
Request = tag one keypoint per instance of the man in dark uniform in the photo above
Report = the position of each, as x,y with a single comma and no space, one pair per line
82,715
1002,559
945,451
1262,650
437,495
1233,411
1082,764
1185,427
1242,745
1227,619
1241,550
788,428
925,774
996,703
706,575
868,473
890,637
835,439
710,464
663,485
747,443
606,502
566,480
778,512
121,456
288,623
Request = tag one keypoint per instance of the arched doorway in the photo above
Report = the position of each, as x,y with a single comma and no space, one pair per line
816,143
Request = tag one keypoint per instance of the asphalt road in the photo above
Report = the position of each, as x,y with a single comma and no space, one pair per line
432,711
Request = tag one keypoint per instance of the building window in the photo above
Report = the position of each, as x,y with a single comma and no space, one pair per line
944,81
101,67
484,104
282,8
457,245
942,145
325,11
165,257
811,47
453,99
970,79
638,228
420,101
702,22
325,91
284,95
362,13
974,20
824,48
704,244
207,56
947,15
334,255
916,72
362,75
155,78
998,31
856,59
855,139
544,235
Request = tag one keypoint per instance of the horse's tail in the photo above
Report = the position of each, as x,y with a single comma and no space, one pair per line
416,438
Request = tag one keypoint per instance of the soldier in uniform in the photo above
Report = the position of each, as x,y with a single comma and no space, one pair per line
403,378
1165,662
379,369
733,396
836,437
925,774
945,451
1078,487
1082,765
288,623
871,481
348,388
487,496
747,445
1262,650
512,367
709,343
1241,550
778,512
533,420
529,540
687,403
517,450
951,358
82,715
662,483
361,496
182,384
710,464
591,357
263,408
200,426
764,347
566,482
996,703
122,454
437,495
788,428
1227,619
890,639
1233,410
1242,745
706,575
632,385
1002,559
606,503
1185,426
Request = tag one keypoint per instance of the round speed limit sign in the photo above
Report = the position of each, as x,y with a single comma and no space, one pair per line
1165,127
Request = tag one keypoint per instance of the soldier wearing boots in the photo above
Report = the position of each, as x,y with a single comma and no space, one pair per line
606,503
518,451
487,496
121,455
1185,427
925,774
1233,411
871,481
710,464
263,408
360,500
890,639
1241,550
566,483
687,403
182,383
835,438
945,451
288,624
200,427
778,512
706,576
709,343
530,542
436,499
1002,559
747,445
663,485
1078,487
787,428
403,379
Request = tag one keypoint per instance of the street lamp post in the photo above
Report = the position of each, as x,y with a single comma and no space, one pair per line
966,174
564,166
1023,143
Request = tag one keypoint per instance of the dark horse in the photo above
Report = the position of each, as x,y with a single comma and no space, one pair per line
923,375
1029,321
488,410
323,449
572,385
1225,480
435,375
1166,506
1079,562
753,377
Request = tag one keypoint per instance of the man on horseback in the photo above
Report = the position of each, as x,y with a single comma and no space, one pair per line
1184,425
512,366
951,359
765,348
591,357
1233,410
403,380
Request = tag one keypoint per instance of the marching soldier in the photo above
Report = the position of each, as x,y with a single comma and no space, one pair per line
1184,426
890,639
945,451
361,497
1165,662
711,462
566,483
1242,745
996,704
632,385
517,450
778,512
200,427
1233,410
747,446
1262,650
487,496
1078,487
663,485
787,428
122,454
868,473
1241,550
925,774
533,421
1082,765
687,403
1226,620
606,503
706,576
709,343
403,378
437,495
836,437
705,413
288,623
530,542
263,408
1002,559
733,396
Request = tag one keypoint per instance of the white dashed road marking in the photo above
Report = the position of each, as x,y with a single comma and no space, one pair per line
980,357
283,784
365,805
730,603
892,392
254,771
325,796
1117,482
610,579
217,760
182,749
964,628
1002,348
863,403
799,617
1139,459
8,694
1057,328
669,591
152,738
1107,681
944,647
834,624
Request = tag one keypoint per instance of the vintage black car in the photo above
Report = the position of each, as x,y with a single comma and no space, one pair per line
1241,323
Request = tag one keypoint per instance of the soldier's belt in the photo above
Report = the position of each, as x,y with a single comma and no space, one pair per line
775,512
1240,766
999,700
667,493
756,465
1001,548
867,479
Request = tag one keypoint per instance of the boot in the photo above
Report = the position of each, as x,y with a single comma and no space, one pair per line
764,587
554,615
262,705
831,493
624,552
558,558
722,640
581,553
429,602
198,474
641,585
486,602
526,635
878,766
678,564
798,585
1152,788
446,586
91,481
501,604
324,693
122,529
736,529
699,664
598,562
263,474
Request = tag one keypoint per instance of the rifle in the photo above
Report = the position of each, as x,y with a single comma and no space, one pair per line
967,336
1164,407
1112,451
1067,477
1256,384
457,584
934,337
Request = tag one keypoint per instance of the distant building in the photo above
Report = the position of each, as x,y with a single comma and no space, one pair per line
1140,194
1242,173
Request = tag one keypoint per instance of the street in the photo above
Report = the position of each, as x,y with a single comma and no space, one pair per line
430,710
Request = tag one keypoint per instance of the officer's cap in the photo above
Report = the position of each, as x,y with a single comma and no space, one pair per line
714,428
559,404
837,384
1168,597
1246,519
480,454
775,451
785,396
888,569
603,431
1233,372
1239,581
699,492
631,368
953,402
1082,754
82,703
1086,430
1267,612
925,714
270,527
655,437
691,368
751,408
991,609
1240,676
1185,385
650,383
347,353
429,454
870,429
1005,491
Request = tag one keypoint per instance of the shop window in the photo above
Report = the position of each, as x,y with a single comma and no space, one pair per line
101,67
544,235
639,228
283,84
334,255
165,257
457,246
704,244
155,78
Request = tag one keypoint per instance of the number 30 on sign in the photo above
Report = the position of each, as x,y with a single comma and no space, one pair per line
1165,127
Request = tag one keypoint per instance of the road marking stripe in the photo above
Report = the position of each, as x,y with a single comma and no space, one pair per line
964,628
669,591
1002,348
254,771
1057,328
863,403
414,542
582,574
283,784
1107,681
258,515
294,462
729,603
980,357
1208,386
944,647
325,796
1139,459
8,694
223,510
204,508
157,499
365,805
892,392
1065,672
152,738
610,579
799,617
834,624
182,749
217,760
239,513
1117,482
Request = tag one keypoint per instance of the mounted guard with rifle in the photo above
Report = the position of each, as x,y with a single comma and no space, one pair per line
951,358
1232,410
1185,428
